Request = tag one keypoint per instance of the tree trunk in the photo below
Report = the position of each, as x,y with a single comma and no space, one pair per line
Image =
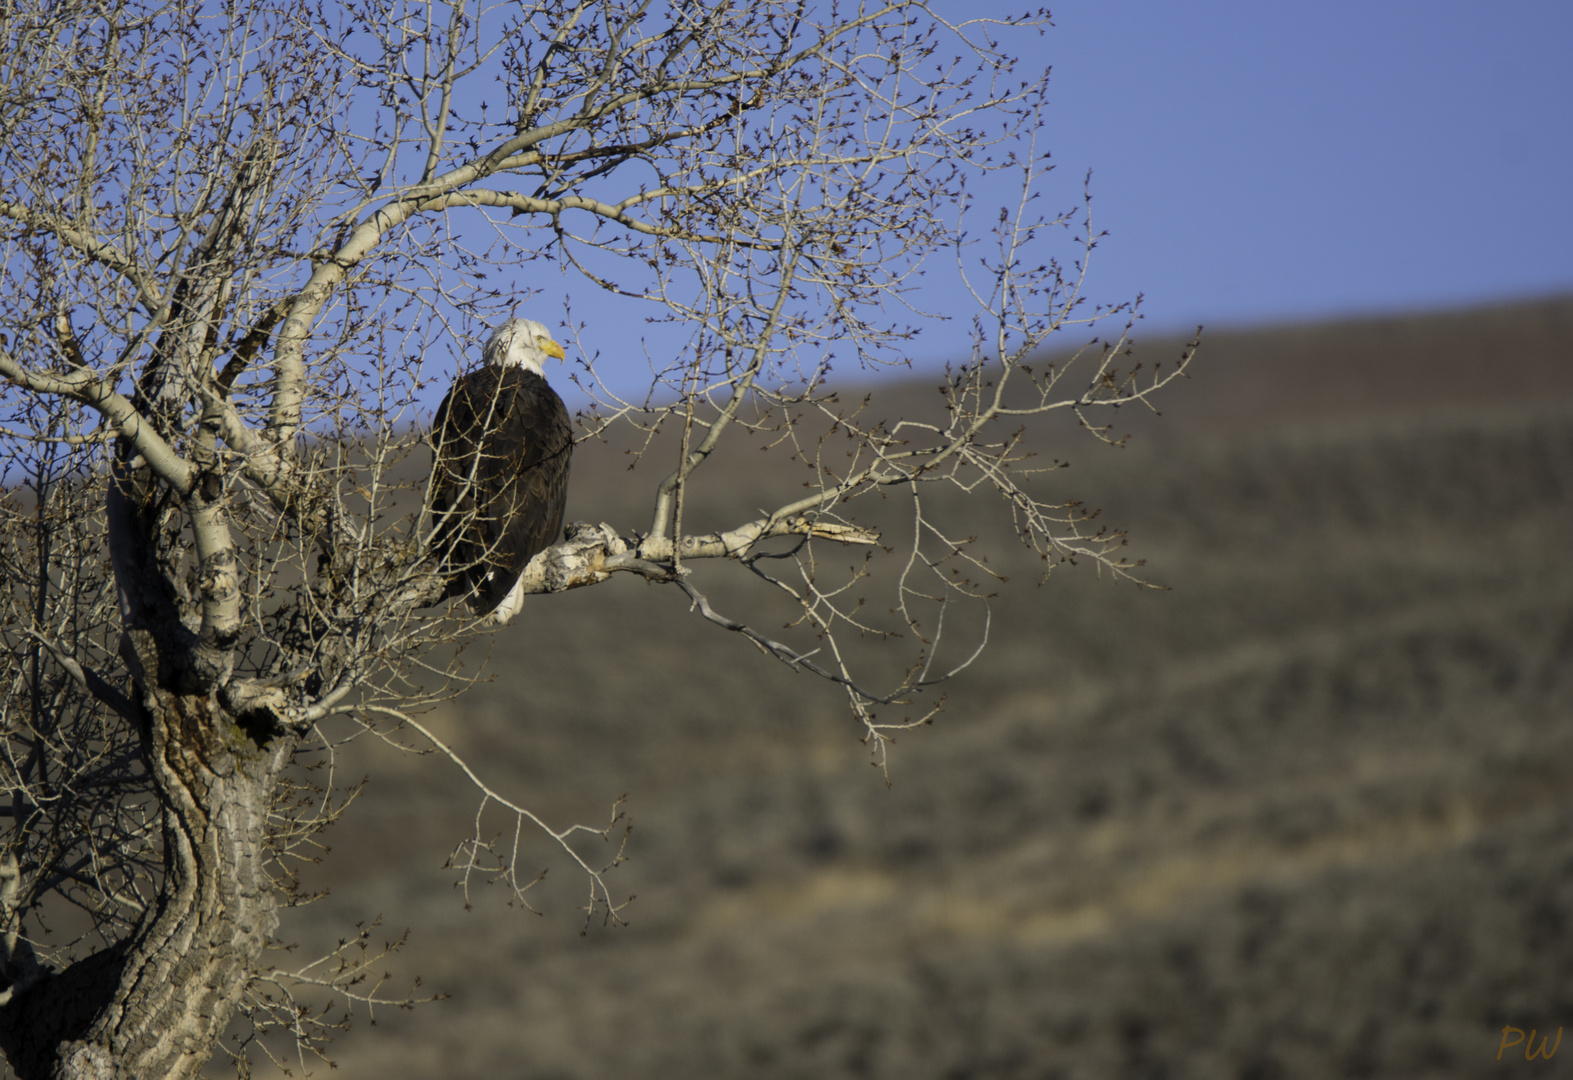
155,1006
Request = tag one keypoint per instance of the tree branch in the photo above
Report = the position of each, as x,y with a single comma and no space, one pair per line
87,678
86,387
100,252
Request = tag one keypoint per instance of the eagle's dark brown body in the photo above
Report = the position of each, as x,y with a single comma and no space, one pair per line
501,443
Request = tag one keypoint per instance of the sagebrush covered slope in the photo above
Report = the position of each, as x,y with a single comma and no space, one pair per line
1304,815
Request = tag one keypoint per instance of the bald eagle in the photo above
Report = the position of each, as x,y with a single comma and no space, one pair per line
500,451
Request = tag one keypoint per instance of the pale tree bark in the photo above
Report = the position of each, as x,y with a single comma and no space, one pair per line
155,1005
238,251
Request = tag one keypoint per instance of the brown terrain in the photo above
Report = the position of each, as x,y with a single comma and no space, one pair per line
1306,814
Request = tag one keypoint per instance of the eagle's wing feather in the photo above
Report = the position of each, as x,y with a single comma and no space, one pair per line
500,477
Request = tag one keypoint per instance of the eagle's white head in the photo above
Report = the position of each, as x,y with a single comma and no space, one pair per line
521,343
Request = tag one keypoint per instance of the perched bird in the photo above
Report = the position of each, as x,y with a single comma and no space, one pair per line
500,446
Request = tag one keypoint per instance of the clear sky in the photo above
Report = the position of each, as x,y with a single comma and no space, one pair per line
1256,160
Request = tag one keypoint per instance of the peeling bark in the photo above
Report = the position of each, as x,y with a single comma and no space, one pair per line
155,1005
157,1008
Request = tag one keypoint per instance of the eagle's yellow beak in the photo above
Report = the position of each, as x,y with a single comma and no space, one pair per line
552,349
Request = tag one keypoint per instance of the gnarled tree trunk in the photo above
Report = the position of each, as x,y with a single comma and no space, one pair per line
154,1005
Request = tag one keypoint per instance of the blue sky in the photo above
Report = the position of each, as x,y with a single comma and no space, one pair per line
1258,161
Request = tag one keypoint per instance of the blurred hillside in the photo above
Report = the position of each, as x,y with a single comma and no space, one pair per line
1307,814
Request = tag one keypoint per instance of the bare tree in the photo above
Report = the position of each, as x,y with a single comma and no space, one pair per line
238,241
